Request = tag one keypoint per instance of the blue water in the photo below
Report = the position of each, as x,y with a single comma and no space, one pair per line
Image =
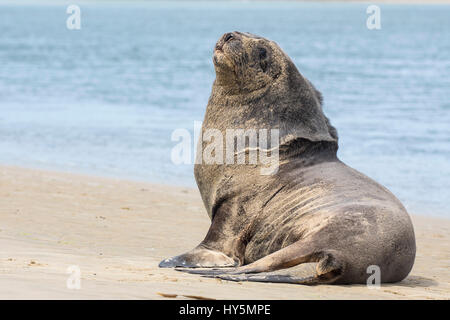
105,99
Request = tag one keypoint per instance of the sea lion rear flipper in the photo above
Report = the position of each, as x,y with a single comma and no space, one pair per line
296,263
271,277
303,274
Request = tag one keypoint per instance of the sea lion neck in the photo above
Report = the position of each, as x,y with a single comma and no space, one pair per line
305,152
227,96
226,85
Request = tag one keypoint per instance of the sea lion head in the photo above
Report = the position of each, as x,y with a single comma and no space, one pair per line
247,61
258,83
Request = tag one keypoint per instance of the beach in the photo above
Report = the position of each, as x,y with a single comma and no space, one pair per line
116,232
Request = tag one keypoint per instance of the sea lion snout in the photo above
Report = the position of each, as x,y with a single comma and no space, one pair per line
223,53
224,39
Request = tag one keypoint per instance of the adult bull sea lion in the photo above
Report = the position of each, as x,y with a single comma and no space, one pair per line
314,220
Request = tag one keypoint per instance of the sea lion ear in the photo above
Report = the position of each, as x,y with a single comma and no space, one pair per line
263,65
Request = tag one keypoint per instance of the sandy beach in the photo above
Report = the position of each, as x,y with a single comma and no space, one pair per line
117,231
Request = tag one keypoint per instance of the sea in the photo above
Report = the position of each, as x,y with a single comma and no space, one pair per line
104,96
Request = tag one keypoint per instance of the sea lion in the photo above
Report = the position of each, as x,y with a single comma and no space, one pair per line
313,213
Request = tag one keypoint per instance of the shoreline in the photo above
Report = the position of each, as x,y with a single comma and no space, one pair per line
88,174
116,231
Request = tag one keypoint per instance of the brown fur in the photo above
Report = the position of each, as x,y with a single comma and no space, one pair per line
314,209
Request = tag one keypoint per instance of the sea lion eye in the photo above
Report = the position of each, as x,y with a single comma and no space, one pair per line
262,53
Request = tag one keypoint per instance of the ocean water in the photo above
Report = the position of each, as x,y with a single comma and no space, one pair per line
105,99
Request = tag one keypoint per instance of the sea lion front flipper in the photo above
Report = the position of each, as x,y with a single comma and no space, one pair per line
199,257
